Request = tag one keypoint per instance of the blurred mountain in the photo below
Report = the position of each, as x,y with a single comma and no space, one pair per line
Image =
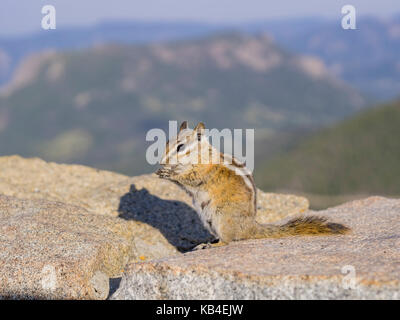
361,155
14,49
368,58
94,106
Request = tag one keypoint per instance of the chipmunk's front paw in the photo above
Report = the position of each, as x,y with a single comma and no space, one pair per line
163,173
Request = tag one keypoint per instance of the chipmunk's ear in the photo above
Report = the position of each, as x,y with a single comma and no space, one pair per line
199,129
200,126
184,125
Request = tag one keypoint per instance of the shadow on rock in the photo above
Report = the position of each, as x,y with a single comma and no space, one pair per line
114,285
177,221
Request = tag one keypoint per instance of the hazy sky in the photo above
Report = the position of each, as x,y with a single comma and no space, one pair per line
24,16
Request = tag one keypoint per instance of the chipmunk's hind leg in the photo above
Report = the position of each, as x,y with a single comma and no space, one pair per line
209,245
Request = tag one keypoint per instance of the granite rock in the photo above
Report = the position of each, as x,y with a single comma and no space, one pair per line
50,250
361,265
146,200
67,229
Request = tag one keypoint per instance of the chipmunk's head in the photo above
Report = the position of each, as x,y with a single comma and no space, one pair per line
188,149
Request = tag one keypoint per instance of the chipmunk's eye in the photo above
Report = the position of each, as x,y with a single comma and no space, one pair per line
180,147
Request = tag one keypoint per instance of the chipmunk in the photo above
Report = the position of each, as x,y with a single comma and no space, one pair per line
224,193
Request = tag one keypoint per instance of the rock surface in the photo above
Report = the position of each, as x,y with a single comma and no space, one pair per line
363,264
158,203
67,229
53,250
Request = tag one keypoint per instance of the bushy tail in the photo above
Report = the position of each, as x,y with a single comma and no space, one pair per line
310,225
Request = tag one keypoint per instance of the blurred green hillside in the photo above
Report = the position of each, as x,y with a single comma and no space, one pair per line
359,156
95,106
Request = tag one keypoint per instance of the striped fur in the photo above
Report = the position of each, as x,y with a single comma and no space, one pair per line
223,191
